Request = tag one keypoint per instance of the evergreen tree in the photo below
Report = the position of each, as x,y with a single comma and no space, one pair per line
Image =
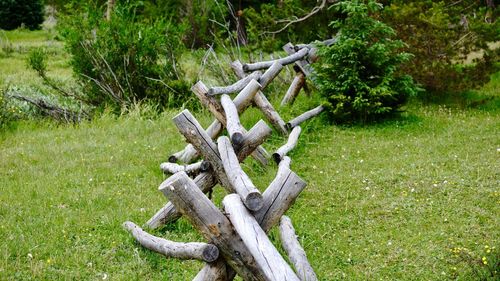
14,13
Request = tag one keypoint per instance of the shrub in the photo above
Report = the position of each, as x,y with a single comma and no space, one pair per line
441,35
358,75
14,14
125,60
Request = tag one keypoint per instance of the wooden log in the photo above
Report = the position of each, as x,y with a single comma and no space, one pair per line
270,74
168,213
212,224
304,117
283,61
294,89
170,249
191,169
236,87
295,252
189,153
284,163
255,239
206,181
193,132
278,198
217,271
253,139
290,144
263,104
243,100
302,65
233,123
239,180
215,107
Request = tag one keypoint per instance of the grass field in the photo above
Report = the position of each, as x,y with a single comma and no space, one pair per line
415,198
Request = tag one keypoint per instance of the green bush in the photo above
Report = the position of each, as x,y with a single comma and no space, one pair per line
441,36
14,14
125,60
358,75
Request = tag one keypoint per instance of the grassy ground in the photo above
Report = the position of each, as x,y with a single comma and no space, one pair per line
416,198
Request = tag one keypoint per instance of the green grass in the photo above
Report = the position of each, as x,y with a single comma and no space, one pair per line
415,198
390,201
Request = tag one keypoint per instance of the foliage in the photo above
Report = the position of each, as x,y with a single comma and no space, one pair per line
14,14
358,75
265,18
442,35
126,59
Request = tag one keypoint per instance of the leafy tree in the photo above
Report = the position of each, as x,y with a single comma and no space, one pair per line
358,75
15,13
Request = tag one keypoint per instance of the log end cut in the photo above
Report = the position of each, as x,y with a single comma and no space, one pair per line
254,201
210,253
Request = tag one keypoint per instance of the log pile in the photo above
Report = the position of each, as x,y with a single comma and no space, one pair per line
236,234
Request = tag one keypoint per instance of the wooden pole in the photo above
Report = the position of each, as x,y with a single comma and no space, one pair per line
290,144
302,65
236,87
262,103
170,249
304,117
215,107
233,123
283,61
206,181
270,74
294,89
191,169
295,252
239,180
212,224
255,239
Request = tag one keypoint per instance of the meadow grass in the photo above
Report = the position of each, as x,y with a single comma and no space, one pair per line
413,198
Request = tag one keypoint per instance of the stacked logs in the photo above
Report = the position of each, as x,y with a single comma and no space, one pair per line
237,241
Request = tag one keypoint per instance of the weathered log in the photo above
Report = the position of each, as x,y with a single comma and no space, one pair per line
216,271
302,65
270,74
255,239
215,107
283,61
304,117
236,87
253,139
233,124
290,144
191,169
295,252
239,180
294,89
189,153
193,132
243,100
278,197
212,224
263,104
170,249
206,181
284,163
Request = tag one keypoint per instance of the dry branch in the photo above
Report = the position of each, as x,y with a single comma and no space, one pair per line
170,249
